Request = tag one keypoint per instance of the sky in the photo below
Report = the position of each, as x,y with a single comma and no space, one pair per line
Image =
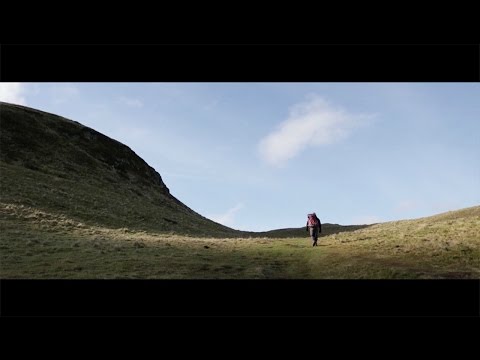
261,156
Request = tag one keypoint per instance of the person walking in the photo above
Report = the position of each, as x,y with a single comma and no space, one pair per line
314,226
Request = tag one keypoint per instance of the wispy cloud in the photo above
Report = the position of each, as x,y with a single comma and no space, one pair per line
227,218
366,220
13,93
132,102
64,93
314,122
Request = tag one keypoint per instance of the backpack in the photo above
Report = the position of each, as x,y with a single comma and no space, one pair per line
312,220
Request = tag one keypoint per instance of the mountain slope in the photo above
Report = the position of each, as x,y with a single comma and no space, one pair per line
58,165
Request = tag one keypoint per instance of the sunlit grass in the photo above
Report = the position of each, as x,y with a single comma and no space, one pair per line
39,244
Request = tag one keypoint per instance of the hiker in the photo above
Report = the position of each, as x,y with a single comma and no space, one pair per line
315,227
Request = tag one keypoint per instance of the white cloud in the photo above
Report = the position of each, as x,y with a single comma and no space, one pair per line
13,93
366,220
313,122
131,102
227,218
63,93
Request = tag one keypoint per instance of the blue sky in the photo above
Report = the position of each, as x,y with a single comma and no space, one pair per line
260,156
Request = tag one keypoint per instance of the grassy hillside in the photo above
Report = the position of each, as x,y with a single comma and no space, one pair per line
60,166
38,244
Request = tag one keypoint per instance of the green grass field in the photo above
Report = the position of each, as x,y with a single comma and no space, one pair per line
41,245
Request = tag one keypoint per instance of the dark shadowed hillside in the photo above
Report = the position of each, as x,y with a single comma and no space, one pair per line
55,164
